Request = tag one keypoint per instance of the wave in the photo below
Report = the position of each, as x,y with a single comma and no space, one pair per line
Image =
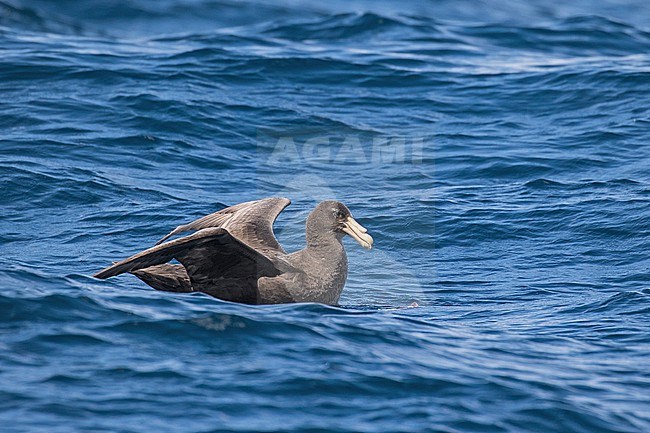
508,289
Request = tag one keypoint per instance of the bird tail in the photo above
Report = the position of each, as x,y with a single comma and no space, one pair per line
166,277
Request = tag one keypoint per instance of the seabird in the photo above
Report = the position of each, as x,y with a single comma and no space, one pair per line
233,255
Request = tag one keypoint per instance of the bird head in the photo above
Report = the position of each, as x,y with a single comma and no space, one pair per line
335,216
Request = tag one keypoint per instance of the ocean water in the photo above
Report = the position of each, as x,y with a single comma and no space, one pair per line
498,153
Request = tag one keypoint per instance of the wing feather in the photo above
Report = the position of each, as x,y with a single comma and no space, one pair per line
250,222
207,255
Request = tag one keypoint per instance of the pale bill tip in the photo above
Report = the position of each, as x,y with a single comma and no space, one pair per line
358,232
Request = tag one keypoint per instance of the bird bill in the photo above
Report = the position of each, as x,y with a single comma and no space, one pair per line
358,232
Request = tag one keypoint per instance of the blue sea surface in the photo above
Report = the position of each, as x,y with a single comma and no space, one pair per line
498,152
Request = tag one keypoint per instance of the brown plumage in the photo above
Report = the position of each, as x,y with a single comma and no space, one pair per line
234,255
